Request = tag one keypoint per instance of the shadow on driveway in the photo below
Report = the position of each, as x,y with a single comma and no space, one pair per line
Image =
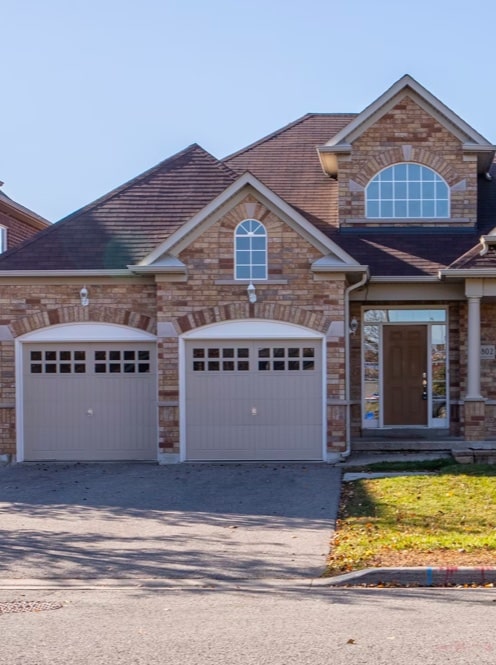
226,521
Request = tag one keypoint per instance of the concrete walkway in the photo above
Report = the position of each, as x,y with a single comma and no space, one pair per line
191,521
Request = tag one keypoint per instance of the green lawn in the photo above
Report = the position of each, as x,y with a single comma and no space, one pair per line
444,519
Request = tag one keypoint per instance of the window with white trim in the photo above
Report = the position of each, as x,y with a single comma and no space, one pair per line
250,249
407,191
3,239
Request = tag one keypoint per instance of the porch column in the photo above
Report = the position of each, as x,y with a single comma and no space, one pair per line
473,349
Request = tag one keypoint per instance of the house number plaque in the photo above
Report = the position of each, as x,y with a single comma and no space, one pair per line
487,352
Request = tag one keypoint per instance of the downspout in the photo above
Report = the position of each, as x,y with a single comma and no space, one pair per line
349,289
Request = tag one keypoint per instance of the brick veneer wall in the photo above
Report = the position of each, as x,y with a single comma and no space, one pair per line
211,295
17,231
407,133
291,295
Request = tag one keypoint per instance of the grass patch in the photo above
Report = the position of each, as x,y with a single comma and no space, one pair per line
445,519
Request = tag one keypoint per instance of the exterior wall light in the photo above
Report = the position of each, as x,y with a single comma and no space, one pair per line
84,297
252,294
353,325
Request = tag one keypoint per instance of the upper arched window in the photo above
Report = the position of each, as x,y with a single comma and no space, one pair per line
407,190
250,250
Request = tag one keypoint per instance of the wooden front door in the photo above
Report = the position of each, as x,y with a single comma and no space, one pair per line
405,373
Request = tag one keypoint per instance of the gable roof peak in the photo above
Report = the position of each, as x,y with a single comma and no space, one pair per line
341,142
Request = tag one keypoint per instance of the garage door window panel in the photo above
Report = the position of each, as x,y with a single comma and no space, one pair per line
125,362
227,359
281,359
57,362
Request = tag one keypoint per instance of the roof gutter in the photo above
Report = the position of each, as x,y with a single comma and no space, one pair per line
473,273
404,280
67,273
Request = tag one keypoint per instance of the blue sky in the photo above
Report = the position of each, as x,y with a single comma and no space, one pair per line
96,91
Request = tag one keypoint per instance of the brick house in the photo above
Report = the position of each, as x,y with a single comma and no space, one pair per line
17,223
326,288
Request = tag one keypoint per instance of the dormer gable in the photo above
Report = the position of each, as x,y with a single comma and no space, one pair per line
407,160
341,143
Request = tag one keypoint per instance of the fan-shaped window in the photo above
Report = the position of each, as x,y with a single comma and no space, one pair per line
407,191
251,250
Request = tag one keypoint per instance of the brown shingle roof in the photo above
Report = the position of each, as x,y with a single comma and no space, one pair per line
126,224
418,253
287,162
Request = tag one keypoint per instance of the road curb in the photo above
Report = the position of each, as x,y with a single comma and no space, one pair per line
425,576
422,576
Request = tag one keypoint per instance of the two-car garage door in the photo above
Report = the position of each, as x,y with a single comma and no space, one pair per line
254,400
90,401
242,399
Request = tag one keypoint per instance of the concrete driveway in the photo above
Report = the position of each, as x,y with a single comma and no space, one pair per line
229,521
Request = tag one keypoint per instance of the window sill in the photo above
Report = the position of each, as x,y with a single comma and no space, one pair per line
245,282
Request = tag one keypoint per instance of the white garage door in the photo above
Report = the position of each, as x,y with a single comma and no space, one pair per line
254,400
89,401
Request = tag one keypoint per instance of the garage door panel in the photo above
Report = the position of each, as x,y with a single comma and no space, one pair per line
89,401
268,407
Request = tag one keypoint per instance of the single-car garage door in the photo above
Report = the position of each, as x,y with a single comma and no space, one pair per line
254,400
89,401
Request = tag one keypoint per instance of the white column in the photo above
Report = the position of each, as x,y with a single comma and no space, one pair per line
473,351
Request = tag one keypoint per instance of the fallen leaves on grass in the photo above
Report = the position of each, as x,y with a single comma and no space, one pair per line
446,520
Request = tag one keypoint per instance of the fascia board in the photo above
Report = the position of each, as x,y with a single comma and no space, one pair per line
381,104
23,214
422,279
333,149
66,273
195,226
322,266
156,270
476,147
467,273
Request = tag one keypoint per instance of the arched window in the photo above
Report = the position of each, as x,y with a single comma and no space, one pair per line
407,190
250,243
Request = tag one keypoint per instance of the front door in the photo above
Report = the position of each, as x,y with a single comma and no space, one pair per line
405,375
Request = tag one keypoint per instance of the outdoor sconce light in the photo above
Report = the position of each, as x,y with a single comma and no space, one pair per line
252,294
353,325
84,297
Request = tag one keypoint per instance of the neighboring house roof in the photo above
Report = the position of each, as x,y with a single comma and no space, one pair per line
129,222
20,212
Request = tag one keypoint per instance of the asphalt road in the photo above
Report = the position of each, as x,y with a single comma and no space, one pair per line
280,625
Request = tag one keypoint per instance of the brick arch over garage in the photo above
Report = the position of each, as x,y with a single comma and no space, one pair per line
78,314
408,154
239,311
